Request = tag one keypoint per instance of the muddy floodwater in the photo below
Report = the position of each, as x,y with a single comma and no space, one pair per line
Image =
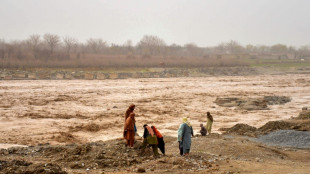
69,111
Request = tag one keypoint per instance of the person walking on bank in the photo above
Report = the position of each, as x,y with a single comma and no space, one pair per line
151,139
160,139
185,133
129,130
209,122
130,110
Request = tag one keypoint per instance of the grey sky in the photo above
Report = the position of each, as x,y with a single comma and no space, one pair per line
204,22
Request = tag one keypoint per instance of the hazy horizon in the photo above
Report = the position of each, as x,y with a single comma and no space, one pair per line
204,22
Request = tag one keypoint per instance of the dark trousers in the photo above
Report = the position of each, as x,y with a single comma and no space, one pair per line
181,148
161,145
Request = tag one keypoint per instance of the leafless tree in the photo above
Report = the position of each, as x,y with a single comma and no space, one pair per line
192,49
33,42
233,47
174,50
151,45
21,53
52,41
70,43
96,45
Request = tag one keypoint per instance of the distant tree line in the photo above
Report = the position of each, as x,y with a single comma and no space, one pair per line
53,50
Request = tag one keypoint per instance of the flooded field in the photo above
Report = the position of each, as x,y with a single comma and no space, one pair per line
67,111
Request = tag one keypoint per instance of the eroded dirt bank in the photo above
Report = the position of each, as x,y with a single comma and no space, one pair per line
212,154
79,111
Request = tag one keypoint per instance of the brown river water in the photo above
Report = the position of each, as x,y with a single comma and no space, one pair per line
39,111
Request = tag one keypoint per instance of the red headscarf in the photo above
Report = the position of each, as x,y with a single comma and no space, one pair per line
158,134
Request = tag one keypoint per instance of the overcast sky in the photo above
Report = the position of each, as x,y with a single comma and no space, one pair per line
204,22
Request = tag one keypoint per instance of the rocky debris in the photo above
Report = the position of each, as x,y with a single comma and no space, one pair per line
171,164
252,103
220,156
287,138
22,167
100,155
6,164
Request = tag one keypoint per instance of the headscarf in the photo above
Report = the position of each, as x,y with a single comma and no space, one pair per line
149,129
158,134
129,110
186,121
209,116
132,107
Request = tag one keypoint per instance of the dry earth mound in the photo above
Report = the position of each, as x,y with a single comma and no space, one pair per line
23,167
108,156
112,154
240,129
305,114
284,133
209,154
276,125
246,130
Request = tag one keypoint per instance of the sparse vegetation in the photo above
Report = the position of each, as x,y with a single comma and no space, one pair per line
51,51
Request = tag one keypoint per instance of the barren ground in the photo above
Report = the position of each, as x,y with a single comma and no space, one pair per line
219,154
